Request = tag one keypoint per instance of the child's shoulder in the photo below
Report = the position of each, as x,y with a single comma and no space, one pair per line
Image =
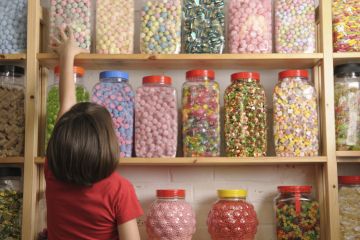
116,181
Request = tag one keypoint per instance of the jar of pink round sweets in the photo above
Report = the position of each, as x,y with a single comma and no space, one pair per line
232,217
156,118
170,217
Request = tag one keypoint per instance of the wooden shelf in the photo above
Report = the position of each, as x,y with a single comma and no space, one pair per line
350,57
187,61
348,154
349,160
12,160
12,57
213,161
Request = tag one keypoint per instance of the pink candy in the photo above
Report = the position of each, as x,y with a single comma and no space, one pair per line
250,26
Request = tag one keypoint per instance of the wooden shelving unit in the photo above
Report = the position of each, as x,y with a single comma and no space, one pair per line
12,160
341,58
353,154
12,57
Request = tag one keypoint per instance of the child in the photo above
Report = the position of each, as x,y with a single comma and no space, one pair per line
85,198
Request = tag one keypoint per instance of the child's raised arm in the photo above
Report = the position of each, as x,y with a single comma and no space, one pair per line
67,49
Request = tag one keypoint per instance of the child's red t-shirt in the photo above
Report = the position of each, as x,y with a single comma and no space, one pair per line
89,213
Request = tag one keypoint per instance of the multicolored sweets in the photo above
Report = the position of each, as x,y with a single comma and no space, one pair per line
346,25
250,26
296,124
245,116
73,13
204,26
114,26
156,118
201,114
114,92
295,26
161,27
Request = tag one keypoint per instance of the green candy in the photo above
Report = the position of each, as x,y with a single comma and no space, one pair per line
10,214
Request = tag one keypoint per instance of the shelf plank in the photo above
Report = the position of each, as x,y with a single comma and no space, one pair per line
349,160
13,57
12,160
349,57
184,61
213,161
348,154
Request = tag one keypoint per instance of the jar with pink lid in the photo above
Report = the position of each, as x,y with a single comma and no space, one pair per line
170,217
156,116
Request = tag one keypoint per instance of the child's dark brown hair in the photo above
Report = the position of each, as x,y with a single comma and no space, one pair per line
83,148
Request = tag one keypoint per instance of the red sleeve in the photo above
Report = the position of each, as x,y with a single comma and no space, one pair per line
127,207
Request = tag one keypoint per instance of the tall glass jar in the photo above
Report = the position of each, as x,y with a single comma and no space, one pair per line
11,199
347,107
346,25
115,93
297,214
52,102
156,118
232,217
115,26
201,114
160,30
250,26
204,26
295,26
349,195
245,116
296,127
12,113
170,217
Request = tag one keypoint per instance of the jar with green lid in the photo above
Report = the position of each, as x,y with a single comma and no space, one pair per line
347,107
53,104
245,116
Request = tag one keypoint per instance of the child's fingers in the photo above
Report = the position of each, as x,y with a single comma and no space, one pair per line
71,32
55,40
62,34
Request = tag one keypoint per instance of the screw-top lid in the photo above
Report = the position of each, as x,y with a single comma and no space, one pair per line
114,74
347,68
245,75
12,70
294,189
170,193
349,180
78,70
10,172
294,73
201,73
233,193
157,79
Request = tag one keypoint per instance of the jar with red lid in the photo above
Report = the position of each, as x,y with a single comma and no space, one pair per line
297,214
156,118
201,114
349,204
245,116
232,217
170,217
296,124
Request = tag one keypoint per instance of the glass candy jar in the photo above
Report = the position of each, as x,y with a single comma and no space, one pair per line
201,114
53,102
297,214
12,111
349,195
115,93
296,127
245,116
11,198
347,107
232,217
170,217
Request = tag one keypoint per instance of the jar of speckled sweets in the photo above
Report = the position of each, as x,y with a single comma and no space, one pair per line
170,217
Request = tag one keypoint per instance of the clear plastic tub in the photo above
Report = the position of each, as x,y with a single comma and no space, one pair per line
201,114
170,217
115,26
160,27
204,26
245,116
250,26
297,214
296,124
295,28
232,217
115,93
156,118
12,111
347,107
